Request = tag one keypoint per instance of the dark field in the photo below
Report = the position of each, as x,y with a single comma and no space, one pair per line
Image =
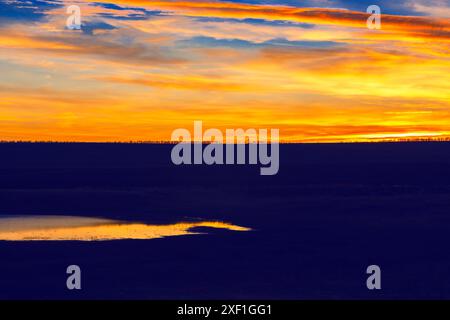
331,211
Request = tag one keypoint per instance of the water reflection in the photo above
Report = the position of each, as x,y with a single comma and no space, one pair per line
65,228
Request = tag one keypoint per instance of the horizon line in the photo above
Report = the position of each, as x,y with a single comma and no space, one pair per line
165,142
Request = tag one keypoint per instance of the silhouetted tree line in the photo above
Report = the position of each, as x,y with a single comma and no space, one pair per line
427,139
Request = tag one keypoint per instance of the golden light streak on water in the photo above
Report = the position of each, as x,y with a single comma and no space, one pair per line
65,228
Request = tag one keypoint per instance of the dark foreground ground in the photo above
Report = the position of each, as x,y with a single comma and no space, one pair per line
330,212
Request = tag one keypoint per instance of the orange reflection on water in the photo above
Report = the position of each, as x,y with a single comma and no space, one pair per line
49,228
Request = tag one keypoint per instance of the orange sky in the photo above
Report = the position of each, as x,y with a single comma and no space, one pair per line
140,69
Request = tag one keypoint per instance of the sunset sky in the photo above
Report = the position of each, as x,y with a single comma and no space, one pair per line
140,69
